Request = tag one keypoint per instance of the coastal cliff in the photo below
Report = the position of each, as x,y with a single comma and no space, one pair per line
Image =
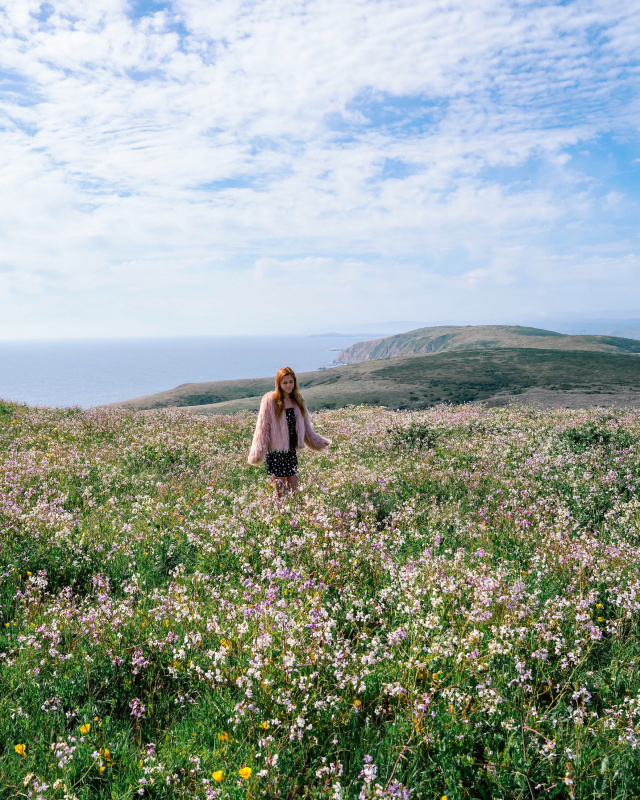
480,337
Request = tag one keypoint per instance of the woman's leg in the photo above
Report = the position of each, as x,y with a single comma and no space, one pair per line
292,483
280,485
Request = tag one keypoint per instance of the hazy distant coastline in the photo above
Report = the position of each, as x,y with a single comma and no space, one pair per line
90,373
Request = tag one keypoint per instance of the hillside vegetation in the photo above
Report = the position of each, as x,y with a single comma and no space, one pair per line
453,337
448,607
420,381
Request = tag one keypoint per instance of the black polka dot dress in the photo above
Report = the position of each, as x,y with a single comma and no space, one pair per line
282,463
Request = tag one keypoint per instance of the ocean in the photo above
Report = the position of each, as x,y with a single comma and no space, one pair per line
92,372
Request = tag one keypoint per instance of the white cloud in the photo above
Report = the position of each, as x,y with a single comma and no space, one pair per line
150,163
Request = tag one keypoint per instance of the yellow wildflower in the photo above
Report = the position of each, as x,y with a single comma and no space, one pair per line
264,725
85,728
217,775
245,773
225,642
20,748
598,605
224,736
357,703
102,769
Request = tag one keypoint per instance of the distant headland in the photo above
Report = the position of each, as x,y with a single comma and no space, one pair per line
494,364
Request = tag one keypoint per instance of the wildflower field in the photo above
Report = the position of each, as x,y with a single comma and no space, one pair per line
449,607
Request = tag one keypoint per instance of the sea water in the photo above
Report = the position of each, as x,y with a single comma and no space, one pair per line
92,372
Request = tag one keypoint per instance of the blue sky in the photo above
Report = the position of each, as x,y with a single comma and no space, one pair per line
216,166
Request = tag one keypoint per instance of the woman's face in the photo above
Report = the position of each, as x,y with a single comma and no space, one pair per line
287,384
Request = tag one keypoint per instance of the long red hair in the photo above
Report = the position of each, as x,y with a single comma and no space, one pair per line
295,394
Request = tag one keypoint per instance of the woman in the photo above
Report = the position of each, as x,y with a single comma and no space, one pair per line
283,426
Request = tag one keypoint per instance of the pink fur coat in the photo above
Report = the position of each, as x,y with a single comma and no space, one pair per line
272,434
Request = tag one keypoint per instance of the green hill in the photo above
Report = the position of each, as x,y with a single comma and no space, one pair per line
480,337
420,381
